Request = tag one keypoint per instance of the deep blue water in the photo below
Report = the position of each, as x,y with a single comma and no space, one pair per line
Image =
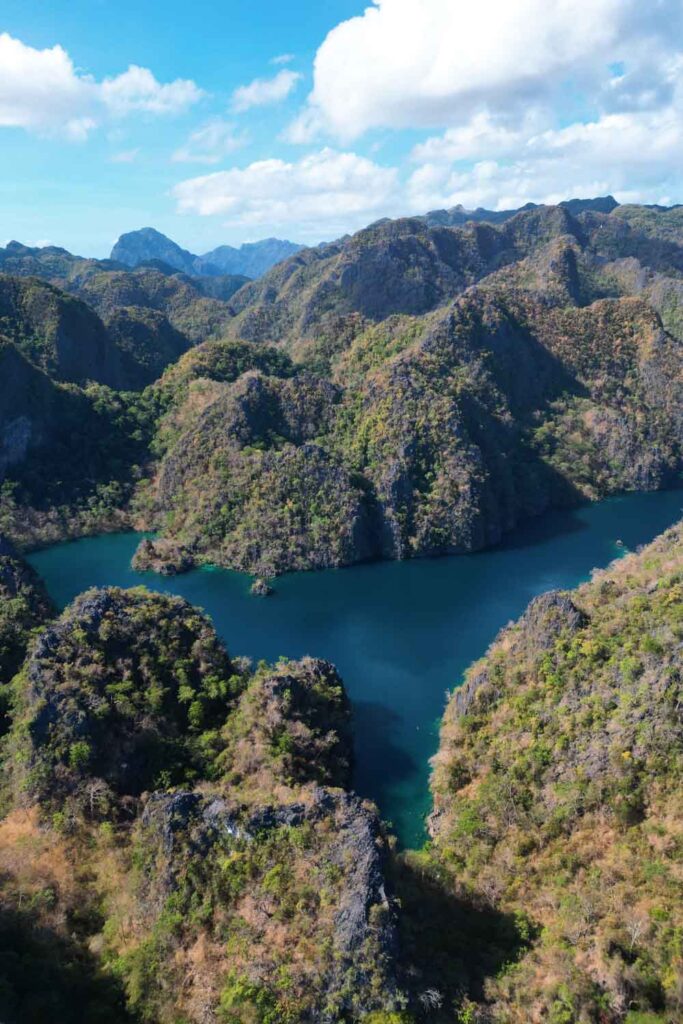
400,633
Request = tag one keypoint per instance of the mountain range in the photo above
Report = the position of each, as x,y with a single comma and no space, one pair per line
178,836
251,259
413,389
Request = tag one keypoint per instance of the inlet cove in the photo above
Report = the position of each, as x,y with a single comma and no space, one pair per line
401,634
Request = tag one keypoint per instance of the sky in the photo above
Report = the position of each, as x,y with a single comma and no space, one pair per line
223,121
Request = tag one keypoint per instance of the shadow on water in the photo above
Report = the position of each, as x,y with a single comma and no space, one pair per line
545,528
386,762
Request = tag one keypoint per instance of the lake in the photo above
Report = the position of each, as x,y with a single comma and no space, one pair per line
400,633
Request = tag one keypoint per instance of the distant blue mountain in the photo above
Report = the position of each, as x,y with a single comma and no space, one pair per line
250,260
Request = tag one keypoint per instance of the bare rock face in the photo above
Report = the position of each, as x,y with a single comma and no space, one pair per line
547,617
184,840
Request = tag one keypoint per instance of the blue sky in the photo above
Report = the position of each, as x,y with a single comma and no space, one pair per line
307,119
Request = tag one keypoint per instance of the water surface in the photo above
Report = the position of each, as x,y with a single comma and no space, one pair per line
400,633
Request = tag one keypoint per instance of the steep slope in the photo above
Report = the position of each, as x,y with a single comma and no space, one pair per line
272,499
68,457
177,297
128,345
557,792
233,879
438,434
51,263
188,310
326,295
58,333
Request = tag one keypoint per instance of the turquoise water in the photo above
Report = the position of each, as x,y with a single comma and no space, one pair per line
400,633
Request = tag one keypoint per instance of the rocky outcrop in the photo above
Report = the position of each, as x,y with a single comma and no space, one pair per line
114,699
438,435
261,588
185,836
293,724
198,799
246,472
548,617
137,247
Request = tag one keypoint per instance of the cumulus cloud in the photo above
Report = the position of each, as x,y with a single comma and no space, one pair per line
282,58
440,62
263,91
324,193
636,156
138,89
483,137
525,100
42,92
210,143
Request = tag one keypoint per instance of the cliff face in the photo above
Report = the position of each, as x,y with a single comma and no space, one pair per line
557,796
428,386
438,434
223,873
59,334
68,456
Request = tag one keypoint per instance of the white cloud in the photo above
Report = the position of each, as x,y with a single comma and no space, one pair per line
482,137
437,63
265,90
138,89
636,156
125,156
533,101
282,58
210,143
41,91
323,194
305,127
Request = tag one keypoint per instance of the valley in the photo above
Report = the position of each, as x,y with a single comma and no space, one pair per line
378,795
